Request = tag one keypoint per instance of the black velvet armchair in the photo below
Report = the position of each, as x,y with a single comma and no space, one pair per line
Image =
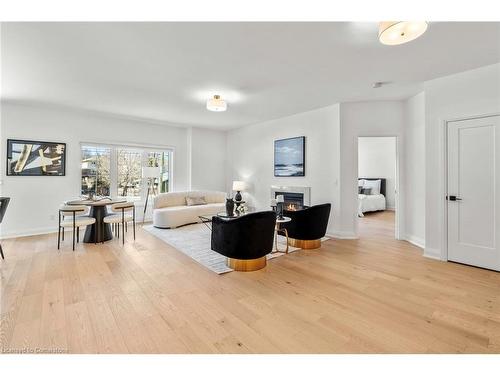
4,202
244,240
308,226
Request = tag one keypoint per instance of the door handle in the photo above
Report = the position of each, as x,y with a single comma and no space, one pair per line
453,198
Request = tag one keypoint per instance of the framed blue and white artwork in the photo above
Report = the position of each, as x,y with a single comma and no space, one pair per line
289,157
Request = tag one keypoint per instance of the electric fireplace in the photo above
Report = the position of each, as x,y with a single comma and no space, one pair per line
292,201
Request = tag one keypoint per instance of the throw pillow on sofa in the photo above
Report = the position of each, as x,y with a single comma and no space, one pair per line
195,201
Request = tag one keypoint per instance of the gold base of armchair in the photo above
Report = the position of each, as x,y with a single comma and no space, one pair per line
305,244
245,265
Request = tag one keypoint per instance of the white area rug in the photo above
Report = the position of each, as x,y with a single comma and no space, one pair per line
194,241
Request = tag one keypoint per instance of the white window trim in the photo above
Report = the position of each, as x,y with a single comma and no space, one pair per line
113,170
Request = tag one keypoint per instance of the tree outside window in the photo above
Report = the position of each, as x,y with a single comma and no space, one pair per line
96,170
129,173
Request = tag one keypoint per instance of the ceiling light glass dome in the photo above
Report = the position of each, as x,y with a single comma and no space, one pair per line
216,104
398,32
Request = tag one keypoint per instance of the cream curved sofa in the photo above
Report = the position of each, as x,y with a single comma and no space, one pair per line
170,209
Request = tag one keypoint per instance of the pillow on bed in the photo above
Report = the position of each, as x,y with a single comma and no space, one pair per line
361,183
374,185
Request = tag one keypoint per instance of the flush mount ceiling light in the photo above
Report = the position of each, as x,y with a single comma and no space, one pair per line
379,84
393,33
216,104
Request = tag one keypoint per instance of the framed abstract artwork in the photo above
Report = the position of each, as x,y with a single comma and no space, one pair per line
289,157
35,158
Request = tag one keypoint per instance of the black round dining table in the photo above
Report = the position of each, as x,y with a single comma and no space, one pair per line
100,231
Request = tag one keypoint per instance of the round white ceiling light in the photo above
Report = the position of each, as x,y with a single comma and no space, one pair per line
216,104
393,33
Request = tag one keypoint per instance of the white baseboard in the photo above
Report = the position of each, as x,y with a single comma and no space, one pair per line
390,208
29,232
342,235
428,252
49,230
414,240
432,253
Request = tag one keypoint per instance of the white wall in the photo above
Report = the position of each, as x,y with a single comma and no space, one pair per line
377,158
472,93
331,155
35,200
208,159
247,154
383,118
251,154
415,157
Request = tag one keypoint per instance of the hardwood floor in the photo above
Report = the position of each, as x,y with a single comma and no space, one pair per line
373,295
379,224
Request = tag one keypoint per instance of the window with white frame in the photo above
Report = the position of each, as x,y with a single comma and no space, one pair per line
116,171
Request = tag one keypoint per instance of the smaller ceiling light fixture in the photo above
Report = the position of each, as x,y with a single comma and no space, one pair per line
398,32
216,104
379,84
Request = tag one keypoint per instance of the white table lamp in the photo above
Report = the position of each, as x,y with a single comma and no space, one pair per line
238,186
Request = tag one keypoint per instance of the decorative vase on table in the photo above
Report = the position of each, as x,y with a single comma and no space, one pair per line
229,206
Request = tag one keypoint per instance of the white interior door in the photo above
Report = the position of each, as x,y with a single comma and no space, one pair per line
473,192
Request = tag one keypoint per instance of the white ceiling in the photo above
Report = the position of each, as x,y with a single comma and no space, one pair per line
166,71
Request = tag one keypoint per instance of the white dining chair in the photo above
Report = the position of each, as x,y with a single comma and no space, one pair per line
73,216
123,213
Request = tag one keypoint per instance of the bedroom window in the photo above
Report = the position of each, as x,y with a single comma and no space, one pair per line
116,171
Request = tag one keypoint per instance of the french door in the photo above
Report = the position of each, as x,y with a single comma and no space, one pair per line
473,197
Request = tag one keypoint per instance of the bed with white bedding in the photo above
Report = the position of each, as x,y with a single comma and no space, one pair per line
371,195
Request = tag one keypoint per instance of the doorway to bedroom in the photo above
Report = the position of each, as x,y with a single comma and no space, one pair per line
377,186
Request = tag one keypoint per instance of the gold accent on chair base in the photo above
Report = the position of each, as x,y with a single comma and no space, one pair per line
305,244
245,265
